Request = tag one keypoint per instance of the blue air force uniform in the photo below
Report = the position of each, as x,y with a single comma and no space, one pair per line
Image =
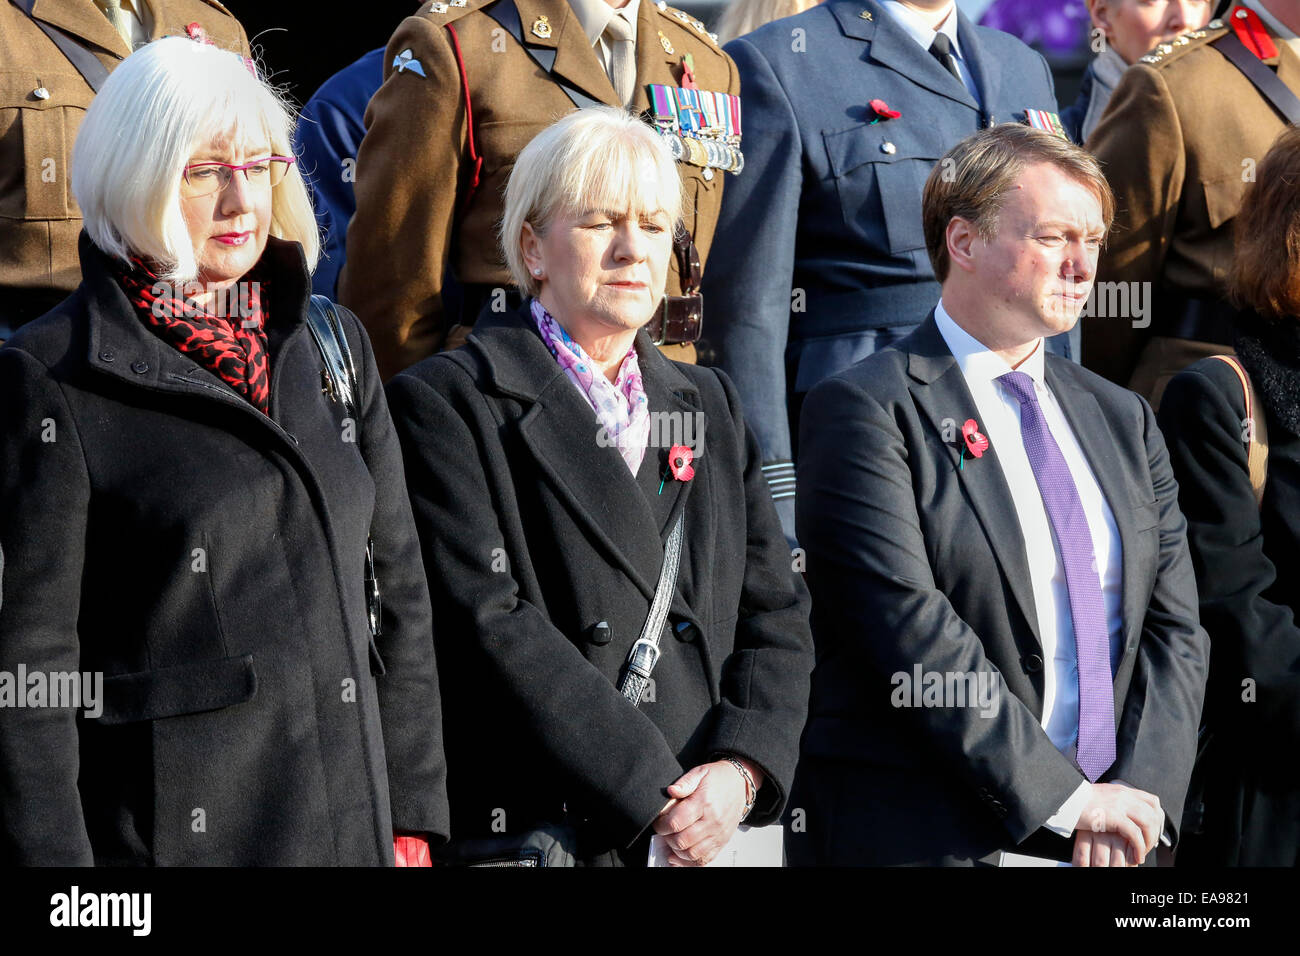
820,257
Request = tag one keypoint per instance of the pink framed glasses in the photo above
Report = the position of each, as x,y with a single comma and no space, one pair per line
203,179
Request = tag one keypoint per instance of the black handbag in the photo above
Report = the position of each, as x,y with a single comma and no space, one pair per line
554,844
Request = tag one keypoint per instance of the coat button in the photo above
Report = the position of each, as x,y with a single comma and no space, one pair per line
1032,664
41,93
601,634
888,148
707,174
686,631
139,367
107,355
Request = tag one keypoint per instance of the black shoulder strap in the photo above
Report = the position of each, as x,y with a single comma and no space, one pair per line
87,64
327,330
1263,79
507,14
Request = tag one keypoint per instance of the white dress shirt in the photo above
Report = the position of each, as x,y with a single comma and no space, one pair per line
920,31
999,420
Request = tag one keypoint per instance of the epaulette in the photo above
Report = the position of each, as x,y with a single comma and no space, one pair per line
1166,52
685,19
443,12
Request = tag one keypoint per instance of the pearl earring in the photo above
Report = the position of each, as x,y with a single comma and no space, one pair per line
537,272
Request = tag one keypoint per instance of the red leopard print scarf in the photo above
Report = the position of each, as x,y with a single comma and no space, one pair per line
232,348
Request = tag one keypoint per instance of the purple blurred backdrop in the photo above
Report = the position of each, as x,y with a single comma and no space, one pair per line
1056,27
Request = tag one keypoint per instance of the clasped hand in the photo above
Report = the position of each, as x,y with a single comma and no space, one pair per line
707,806
1119,826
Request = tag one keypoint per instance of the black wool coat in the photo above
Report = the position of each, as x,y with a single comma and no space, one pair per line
1247,561
209,561
535,533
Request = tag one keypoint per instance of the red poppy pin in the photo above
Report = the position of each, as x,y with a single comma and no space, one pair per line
976,443
679,462
196,32
883,111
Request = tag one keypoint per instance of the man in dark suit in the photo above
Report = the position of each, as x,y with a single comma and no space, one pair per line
819,259
1009,658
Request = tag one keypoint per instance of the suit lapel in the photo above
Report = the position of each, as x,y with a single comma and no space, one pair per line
892,47
941,393
575,59
1098,443
84,21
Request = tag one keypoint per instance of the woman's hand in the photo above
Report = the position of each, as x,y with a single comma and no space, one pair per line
707,806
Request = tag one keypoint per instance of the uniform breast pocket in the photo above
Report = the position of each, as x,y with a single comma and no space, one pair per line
879,174
39,118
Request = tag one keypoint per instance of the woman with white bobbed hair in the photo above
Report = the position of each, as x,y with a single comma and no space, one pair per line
195,513
622,635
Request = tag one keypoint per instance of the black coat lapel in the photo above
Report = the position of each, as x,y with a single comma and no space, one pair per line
941,393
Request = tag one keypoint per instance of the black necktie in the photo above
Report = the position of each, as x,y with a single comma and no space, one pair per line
941,50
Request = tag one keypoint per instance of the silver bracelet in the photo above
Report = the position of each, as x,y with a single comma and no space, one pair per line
751,789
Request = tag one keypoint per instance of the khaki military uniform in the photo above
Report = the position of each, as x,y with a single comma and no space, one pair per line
1178,143
42,101
413,169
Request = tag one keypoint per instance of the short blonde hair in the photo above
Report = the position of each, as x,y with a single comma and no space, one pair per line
163,102
595,158
974,179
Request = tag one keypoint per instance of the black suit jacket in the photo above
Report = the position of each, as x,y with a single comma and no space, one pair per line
534,533
917,559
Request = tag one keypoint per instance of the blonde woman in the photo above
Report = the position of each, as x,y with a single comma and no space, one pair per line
553,463
186,513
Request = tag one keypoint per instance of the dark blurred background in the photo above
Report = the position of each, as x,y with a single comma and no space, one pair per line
303,44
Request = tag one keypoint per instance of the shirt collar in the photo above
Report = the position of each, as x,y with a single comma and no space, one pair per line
976,362
594,15
919,30
1272,22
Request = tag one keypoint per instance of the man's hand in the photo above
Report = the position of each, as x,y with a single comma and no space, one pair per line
707,804
1101,849
1119,826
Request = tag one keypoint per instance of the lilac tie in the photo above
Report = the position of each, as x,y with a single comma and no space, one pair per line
1087,608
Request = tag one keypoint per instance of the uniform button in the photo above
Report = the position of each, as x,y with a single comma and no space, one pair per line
707,174
139,367
41,93
601,634
888,149
1032,664
107,355
686,632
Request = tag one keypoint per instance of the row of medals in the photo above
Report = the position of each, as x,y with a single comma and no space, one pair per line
702,150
